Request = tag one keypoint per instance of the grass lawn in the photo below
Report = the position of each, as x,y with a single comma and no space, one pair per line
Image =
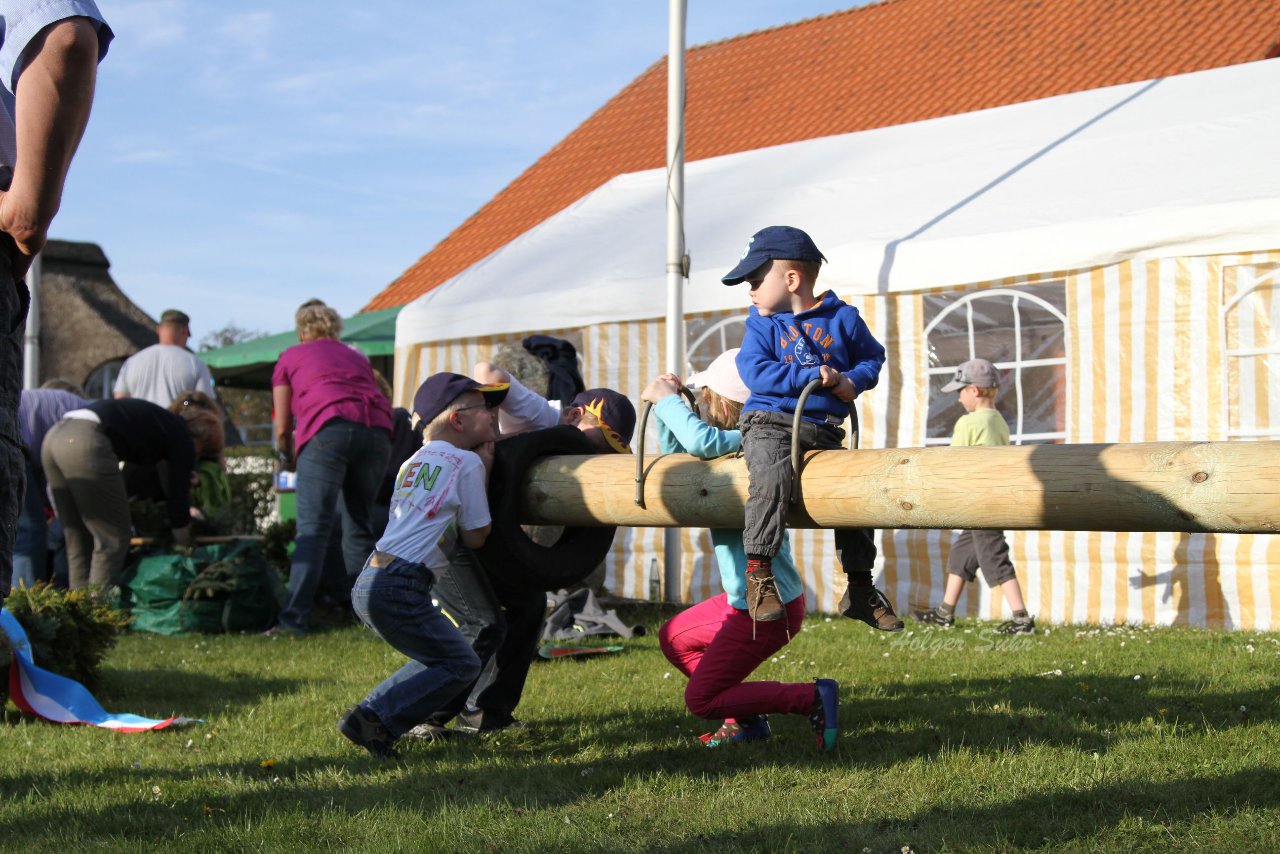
1078,739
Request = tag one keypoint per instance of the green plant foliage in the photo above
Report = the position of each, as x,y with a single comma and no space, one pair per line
70,631
150,519
276,540
250,472
249,509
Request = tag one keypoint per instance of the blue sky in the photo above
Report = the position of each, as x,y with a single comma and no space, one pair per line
243,157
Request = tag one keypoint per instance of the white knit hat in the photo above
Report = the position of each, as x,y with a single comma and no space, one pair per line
722,377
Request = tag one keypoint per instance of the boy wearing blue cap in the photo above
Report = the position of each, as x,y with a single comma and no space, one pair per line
439,501
793,337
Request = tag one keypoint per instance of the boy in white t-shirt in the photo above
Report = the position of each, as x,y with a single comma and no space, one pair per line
503,621
439,501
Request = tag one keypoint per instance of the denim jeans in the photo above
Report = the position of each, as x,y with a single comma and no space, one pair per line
395,601
30,549
344,459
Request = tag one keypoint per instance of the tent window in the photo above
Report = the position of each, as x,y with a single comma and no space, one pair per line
1022,330
711,336
1251,343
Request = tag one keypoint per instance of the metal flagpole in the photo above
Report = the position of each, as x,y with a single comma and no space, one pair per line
677,261
31,343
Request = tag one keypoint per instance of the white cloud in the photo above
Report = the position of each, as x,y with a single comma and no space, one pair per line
251,36
147,155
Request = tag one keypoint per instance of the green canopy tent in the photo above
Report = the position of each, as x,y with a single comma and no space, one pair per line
249,364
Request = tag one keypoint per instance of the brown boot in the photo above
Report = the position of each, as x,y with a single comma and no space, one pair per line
864,602
763,602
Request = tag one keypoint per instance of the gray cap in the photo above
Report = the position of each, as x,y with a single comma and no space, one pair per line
172,315
977,372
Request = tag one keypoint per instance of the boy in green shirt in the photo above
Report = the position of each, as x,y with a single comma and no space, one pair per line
977,382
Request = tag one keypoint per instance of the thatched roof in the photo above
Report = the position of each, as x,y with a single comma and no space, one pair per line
85,319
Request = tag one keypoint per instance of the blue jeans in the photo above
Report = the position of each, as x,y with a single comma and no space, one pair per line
395,601
30,548
344,459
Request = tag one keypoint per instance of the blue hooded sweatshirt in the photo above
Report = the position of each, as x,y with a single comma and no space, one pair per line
782,353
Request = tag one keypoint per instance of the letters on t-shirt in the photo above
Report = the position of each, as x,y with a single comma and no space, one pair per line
422,474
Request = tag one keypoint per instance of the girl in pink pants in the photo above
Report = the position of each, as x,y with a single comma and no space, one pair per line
716,643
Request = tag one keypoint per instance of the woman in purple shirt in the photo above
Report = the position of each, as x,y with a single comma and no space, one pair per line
333,423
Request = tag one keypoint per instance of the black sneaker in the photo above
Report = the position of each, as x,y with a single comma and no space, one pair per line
1018,626
933,618
480,721
763,603
864,602
364,729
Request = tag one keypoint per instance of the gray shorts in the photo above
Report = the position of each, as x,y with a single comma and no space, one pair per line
985,550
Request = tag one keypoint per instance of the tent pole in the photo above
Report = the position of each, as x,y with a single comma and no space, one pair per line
676,262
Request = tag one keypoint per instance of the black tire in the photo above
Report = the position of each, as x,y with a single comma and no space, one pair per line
509,555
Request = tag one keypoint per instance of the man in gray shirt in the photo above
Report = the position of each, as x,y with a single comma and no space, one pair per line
164,371
49,54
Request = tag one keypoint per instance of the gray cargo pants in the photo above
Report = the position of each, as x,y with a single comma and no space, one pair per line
766,445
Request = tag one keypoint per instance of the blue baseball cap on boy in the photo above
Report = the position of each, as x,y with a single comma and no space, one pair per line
440,390
775,243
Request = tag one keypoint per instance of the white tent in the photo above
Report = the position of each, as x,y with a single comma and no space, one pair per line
1178,166
1116,252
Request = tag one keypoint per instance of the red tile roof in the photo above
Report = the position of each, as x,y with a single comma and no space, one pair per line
889,63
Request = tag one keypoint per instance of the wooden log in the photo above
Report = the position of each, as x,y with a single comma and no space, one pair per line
1226,487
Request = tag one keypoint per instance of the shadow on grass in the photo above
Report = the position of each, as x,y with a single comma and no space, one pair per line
161,692
1091,713
1050,817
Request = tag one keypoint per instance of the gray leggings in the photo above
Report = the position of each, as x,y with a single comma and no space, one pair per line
766,445
89,495
981,549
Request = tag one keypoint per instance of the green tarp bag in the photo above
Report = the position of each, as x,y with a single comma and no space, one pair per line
221,587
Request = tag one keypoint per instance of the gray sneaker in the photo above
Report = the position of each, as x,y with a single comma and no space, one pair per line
1018,626
933,618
